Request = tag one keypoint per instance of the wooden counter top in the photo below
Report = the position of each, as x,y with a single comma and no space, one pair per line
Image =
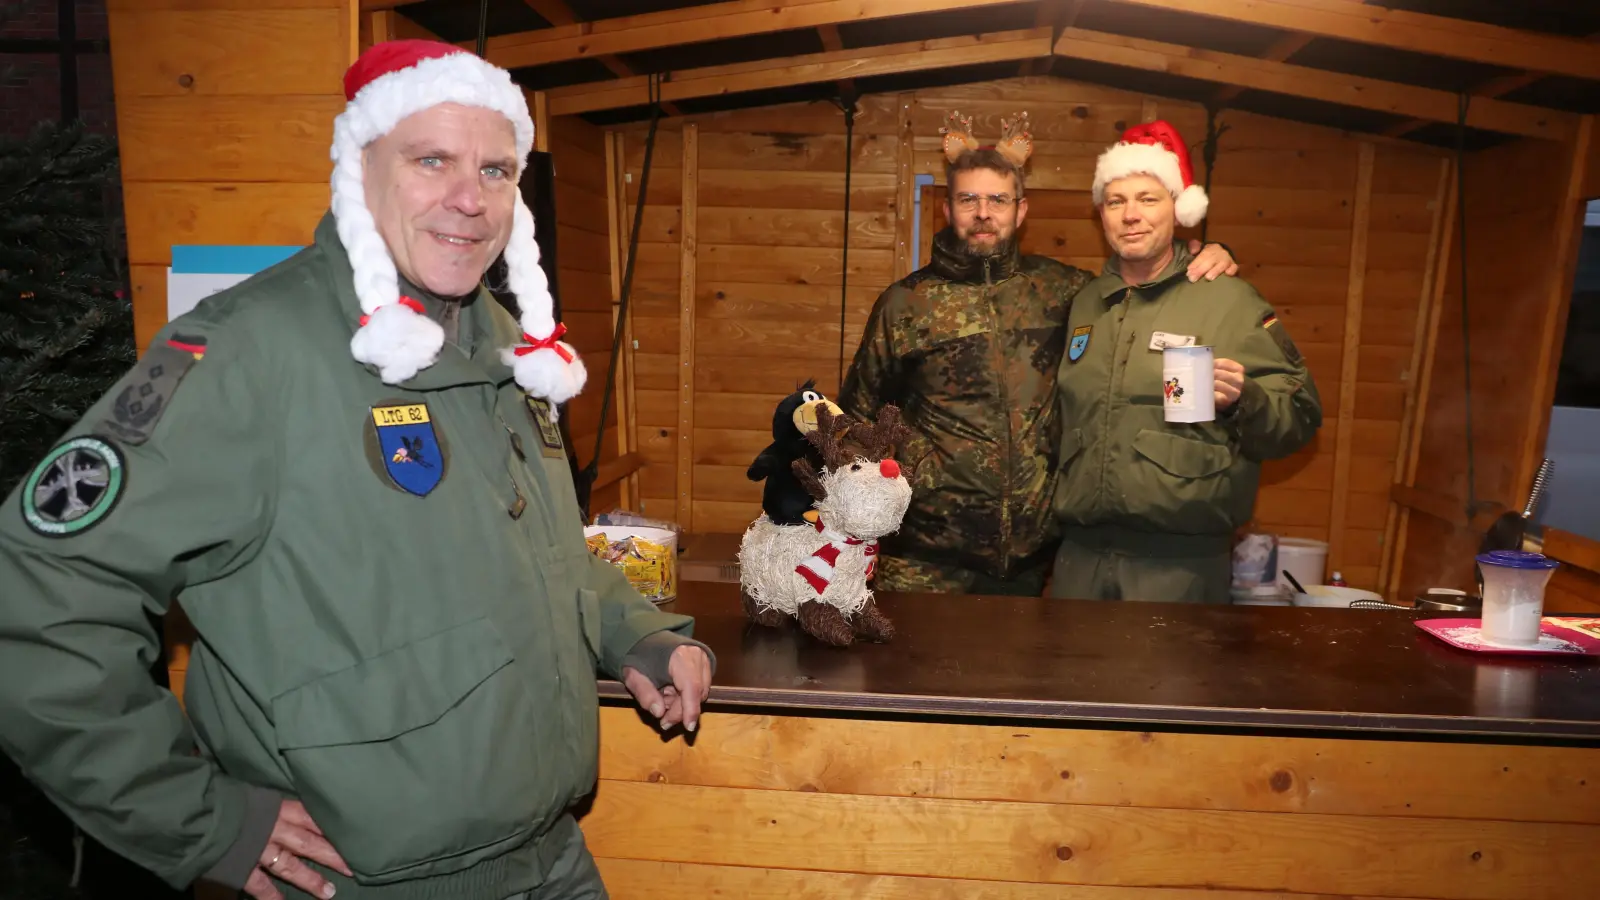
1227,667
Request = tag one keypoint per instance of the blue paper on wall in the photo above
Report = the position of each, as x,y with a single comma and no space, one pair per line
200,270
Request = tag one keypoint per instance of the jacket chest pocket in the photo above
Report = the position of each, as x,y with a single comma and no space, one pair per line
423,741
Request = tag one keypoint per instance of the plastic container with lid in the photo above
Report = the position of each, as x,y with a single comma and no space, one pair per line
1513,595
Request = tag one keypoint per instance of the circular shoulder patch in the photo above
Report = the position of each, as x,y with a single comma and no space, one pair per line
73,487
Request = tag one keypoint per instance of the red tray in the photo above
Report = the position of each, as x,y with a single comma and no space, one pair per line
1558,636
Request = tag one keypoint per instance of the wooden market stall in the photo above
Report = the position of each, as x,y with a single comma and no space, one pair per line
1335,128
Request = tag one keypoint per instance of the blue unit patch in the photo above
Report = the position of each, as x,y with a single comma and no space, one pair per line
410,448
1080,342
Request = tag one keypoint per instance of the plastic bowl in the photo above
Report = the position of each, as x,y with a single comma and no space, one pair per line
1328,595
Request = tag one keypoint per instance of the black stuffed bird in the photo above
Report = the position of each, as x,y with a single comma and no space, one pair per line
783,498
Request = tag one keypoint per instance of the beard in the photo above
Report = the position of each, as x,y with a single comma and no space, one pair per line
1001,247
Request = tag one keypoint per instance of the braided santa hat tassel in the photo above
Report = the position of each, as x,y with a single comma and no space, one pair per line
389,82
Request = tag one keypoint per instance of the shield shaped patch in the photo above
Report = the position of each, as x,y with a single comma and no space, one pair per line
409,446
1080,342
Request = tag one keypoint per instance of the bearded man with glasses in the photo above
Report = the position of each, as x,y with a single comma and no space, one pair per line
968,348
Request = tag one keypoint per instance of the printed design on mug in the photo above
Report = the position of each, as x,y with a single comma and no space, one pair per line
1173,388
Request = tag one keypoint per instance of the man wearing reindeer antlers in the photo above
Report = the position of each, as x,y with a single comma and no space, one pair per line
967,347
1149,501
344,468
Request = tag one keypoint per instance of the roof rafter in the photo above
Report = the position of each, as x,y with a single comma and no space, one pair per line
1494,87
690,25
558,13
1352,20
1053,13
1281,50
812,68
1316,84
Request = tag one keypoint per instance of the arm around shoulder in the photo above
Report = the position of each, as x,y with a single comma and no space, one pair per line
164,482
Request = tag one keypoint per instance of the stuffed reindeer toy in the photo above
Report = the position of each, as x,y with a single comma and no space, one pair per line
817,572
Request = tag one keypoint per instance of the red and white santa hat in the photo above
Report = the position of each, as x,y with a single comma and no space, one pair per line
389,82
1154,149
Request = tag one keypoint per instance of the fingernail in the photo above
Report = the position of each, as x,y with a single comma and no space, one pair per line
328,891
691,726
656,710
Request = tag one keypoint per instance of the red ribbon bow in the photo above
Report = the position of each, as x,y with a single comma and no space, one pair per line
413,305
548,343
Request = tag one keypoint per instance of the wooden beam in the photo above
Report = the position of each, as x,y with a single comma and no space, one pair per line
1573,549
1562,273
617,468
1355,292
1350,20
388,25
1301,81
1421,349
690,205
832,43
1051,14
617,225
905,195
558,13
690,25
1494,87
811,69
1280,51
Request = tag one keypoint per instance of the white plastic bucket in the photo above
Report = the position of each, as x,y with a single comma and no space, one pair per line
1306,559
655,577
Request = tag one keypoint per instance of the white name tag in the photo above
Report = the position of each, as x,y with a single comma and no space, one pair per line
1161,340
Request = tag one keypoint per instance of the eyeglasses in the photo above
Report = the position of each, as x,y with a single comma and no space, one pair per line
968,202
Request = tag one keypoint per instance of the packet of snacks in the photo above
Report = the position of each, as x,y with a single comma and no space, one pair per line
646,556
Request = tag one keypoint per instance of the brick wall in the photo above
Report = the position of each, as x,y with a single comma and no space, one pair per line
30,83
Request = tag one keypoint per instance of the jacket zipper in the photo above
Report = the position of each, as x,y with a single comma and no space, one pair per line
1005,409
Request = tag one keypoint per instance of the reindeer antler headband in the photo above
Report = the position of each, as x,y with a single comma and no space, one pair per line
1015,144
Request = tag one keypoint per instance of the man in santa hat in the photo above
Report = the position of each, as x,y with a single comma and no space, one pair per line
347,471
1148,508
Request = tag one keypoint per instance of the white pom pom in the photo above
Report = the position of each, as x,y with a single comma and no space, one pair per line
398,341
543,373
1191,205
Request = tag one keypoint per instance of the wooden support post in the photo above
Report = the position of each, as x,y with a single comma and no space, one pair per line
905,204
617,224
686,304
1350,367
1557,302
1416,415
1148,110
1398,517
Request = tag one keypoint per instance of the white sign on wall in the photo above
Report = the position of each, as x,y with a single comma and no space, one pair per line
198,271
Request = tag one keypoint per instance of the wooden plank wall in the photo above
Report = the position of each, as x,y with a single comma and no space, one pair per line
213,153
1519,246
1284,197
775,807
583,254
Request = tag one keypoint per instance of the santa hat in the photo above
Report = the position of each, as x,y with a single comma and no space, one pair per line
1154,149
389,82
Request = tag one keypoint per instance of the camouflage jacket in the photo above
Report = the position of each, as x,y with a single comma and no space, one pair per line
968,348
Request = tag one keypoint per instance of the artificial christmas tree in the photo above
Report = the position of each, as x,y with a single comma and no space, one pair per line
66,324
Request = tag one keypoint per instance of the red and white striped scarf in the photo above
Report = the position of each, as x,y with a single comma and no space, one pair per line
817,569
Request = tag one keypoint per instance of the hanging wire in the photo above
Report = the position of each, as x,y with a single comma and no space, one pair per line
483,26
592,471
1209,153
1466,325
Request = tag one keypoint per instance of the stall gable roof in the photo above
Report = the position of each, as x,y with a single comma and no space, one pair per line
1395,67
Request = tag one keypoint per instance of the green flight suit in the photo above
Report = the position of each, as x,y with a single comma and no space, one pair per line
399,623
1148,508
967,348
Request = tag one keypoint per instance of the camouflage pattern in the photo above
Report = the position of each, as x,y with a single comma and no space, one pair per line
968,348
1138,487
915,576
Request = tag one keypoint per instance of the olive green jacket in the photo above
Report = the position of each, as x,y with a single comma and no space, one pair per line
1122,463
968,348
418,667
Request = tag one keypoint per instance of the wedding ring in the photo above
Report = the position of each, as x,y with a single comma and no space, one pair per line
275,858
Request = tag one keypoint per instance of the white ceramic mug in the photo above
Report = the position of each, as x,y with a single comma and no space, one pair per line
1188,384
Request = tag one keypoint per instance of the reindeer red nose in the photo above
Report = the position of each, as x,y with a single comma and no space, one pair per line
889,468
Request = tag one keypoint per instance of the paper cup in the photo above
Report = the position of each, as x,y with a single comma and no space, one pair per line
1188,384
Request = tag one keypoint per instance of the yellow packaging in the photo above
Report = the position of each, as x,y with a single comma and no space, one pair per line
649,566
